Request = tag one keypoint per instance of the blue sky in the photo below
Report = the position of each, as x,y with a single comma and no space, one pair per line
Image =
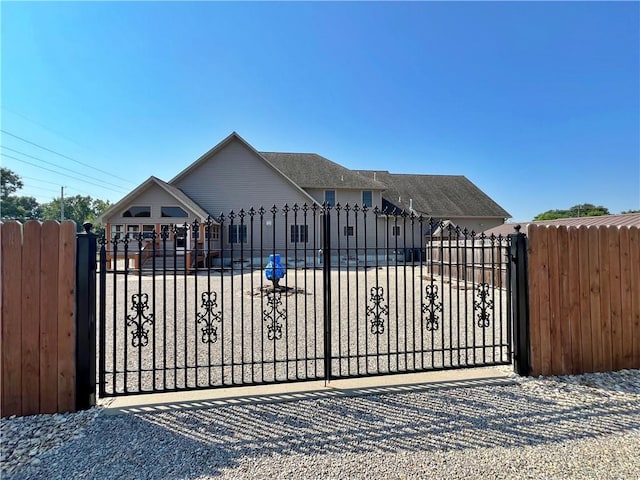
536,103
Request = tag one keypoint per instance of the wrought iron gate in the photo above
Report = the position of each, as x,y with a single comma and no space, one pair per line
366,292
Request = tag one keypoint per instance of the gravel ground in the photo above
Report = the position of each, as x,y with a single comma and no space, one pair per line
174,350
585,426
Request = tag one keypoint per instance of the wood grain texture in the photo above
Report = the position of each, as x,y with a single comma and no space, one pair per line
11,342
31,318
564,321
626,317
594,289
615,298
634,250
66,318
49,317
573,298
585,300
533,251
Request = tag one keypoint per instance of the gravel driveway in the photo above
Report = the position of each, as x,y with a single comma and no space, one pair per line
561,427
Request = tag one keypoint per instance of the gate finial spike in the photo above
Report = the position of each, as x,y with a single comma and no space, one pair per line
517,228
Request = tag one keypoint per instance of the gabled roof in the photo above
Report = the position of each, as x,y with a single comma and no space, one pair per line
439,196
235,137
176,193
310,170
622,220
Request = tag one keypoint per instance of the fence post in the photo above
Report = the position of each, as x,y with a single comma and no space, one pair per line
85,319
326,280
520,302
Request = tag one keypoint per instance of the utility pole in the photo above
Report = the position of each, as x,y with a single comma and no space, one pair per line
62,204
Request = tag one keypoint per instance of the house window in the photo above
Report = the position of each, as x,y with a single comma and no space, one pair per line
137,212
299,233
348,231
215,232
117,231
237,234
147,231
395,230
133,230
174,212
367,198
180,237
330,197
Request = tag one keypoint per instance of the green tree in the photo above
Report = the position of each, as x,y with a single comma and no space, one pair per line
631,211
10,182
20,208
581,210
78,208
13,207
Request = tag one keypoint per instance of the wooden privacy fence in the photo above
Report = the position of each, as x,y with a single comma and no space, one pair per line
472,261
584,298
38,317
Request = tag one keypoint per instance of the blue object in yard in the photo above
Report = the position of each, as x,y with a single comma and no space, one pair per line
274,270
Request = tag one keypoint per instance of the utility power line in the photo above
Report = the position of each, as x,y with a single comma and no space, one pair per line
58,173
63,168
63,156
54,183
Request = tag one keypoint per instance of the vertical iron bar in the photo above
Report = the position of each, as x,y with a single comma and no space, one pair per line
153,296
114,318
252,213
140,296
85,319
195,235
520,300
473,289
357,291
238,238
242,226
207,263
164,234
366,267
287,358
450,322
339,272
326,277
103,317
222,296
274,210
126,303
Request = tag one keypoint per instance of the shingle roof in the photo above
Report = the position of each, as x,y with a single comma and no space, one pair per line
310,170
622,220
441,196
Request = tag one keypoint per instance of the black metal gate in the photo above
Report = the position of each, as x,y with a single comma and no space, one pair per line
366,292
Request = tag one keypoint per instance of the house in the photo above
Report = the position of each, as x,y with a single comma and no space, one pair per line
231,182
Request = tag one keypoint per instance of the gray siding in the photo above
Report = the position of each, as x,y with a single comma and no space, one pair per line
236,178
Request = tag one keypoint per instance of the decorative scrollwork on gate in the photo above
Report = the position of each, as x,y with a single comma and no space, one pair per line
208,316
274,315
140,305
377,310
432,307
484,305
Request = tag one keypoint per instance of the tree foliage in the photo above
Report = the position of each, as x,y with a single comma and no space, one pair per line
631,211
9,182
581,210
78,208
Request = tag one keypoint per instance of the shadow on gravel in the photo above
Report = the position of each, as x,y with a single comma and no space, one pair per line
205,442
